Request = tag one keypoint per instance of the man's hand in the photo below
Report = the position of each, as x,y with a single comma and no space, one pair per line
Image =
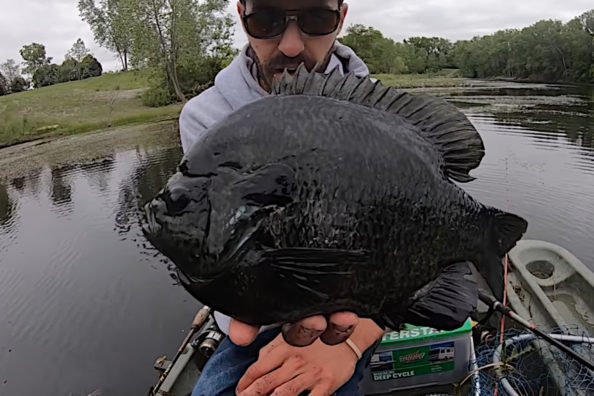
285,370
334,331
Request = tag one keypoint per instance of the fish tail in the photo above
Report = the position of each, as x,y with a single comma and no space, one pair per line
506,230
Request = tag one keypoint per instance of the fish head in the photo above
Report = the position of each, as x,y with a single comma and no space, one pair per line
176,222
208,222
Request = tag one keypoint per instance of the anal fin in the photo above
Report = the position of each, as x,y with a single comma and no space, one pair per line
444,304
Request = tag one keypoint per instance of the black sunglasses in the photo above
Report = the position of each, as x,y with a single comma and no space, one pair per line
265,23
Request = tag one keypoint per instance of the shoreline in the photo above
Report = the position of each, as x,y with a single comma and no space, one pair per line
58,151
57,134
417,83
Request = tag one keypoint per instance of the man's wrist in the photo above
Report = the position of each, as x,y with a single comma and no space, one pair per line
365,335
354,348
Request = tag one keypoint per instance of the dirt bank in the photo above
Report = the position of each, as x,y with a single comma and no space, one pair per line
20,159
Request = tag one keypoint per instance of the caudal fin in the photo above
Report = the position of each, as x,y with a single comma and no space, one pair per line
507,230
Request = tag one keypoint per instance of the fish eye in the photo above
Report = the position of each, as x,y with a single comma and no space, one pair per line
176,200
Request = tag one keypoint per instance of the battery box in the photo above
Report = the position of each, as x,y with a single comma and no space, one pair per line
418,357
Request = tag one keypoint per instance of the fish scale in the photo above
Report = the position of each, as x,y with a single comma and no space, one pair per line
334,193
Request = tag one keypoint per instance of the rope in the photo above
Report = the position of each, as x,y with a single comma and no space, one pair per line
502,329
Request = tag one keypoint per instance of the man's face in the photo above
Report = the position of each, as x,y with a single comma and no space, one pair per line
277,49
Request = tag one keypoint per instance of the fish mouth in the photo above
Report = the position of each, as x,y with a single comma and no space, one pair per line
158,233
191,255
151,228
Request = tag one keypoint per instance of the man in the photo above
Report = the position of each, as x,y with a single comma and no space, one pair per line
324,355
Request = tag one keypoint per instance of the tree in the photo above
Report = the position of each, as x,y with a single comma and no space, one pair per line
3,86
432,53
587,20
46,75
168,26
35,57
381,54
548,50
90,67
10,69
178,36
78,51
112,23
198,68
71,68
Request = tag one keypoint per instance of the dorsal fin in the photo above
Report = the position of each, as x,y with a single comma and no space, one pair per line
439,121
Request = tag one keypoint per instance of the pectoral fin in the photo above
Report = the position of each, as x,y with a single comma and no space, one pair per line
316,271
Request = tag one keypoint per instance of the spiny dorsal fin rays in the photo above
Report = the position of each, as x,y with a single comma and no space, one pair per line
439,121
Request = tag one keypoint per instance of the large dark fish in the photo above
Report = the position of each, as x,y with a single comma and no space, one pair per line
334,193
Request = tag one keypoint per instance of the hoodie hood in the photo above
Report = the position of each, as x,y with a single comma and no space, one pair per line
238,84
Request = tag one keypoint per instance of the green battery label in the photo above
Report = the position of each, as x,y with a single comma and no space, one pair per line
412,362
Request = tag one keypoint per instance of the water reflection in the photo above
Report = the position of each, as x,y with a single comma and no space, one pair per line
576,126
61,190
7,206
98,173
28,183
149,175
551,116
72,287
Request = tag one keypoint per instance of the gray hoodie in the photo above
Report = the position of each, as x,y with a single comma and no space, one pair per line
234,87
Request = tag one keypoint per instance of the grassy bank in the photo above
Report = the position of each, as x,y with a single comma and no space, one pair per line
442,79
114,100
80,106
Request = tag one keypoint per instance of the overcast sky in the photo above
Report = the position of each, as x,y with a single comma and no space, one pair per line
56,23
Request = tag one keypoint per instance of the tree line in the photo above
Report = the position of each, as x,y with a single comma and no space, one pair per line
184,42
78,64
546,51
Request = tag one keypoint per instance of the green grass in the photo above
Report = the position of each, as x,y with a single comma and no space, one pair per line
80,106
114,100
442,79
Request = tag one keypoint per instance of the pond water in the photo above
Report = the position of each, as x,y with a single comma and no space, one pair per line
86,305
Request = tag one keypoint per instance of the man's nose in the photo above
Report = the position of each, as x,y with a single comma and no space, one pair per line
291,42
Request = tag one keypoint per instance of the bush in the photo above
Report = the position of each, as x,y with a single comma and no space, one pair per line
195,78
46,75
90,67
19,84
157,97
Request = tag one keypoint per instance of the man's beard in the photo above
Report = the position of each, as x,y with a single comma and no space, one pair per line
280,62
